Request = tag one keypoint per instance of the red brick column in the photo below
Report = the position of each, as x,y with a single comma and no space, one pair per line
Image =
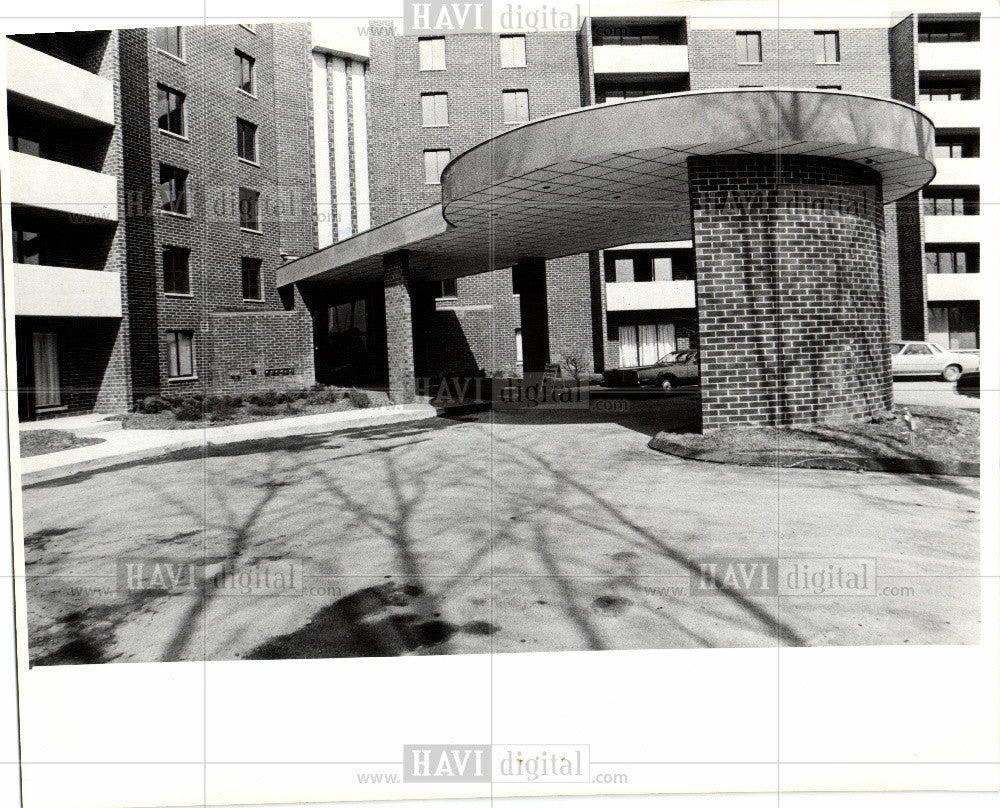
791,302
399,327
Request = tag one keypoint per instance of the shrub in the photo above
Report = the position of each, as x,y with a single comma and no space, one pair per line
291,408
224,402
359,399
153,404
222,412
261,409
188,410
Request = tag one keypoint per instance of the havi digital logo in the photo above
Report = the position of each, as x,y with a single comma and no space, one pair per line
421,18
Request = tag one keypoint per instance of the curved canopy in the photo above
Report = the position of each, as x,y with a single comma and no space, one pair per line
613,174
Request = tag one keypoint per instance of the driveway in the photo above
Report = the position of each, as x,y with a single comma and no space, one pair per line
506,531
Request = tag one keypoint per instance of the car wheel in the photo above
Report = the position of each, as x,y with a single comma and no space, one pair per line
667,383
951,373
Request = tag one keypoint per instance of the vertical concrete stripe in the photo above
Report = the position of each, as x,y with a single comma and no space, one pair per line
361,193
321,149
341,147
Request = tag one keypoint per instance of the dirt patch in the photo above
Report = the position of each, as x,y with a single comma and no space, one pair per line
943,439
43,441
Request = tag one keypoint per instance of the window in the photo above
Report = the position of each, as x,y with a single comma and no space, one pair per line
617,33
170,106
434,162
434,107
25,145
748,47
173,189
249,209
518,347
951,258
512,52
176,275
244,73
949,91
645,344
945,201
917,349
251,279
827,47
171,40
624,270
448,288
515,106
180,354
246,140
620,91
956,144
29,248
956,326
663,269
829,87
431,53
948,30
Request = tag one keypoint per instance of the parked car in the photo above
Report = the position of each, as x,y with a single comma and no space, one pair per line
968,384
930,359
670,371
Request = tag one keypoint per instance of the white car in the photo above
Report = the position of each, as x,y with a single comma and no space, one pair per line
930,359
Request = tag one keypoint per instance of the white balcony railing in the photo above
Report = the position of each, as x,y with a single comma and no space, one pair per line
640,59
950,55
644,296
959,286
43,291
952,228
63,188
947,114
58,85
958,171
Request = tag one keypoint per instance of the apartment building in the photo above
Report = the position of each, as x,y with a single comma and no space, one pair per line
211,157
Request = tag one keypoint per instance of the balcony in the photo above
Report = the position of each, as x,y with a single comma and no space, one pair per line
952,229
57,88
61,188
952,114
640,59
960,286
41,291
949,55
958,171
649,295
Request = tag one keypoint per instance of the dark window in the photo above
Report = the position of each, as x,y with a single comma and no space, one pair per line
244,72
171,40
948,30
25,145
620,33
180,353
251,279
246,140
170,106
959,88
748,47
955,327
448,288
249,209
829,87
956,143
951,258
827,47
30,248
945,201
173,189
176,274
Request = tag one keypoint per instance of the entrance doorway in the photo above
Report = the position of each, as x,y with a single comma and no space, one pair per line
38,377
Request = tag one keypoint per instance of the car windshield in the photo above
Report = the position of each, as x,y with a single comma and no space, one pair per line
674,356
895,347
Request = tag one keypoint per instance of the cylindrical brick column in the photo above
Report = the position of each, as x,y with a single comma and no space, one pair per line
791,304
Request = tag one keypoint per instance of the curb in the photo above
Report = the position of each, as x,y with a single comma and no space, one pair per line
892,465
203,440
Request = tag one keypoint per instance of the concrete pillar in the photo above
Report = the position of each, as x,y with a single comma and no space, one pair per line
529,284
791,301
398,327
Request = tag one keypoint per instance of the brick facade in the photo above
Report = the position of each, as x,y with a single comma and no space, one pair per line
399,327
790,291
249,352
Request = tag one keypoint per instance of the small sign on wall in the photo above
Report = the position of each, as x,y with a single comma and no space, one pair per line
279,372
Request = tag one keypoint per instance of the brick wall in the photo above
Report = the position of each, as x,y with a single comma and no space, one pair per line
790,290
249,352
399,327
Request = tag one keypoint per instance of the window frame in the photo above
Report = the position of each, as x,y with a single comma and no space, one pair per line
178,250
170,91
504,95
420,53
171,208
241,57
181,55
438,166
432,97
255,196
239,142
821,37
523,51
259,269
442,294
174,342
743,37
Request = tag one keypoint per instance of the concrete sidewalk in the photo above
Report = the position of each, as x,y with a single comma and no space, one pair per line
125,445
